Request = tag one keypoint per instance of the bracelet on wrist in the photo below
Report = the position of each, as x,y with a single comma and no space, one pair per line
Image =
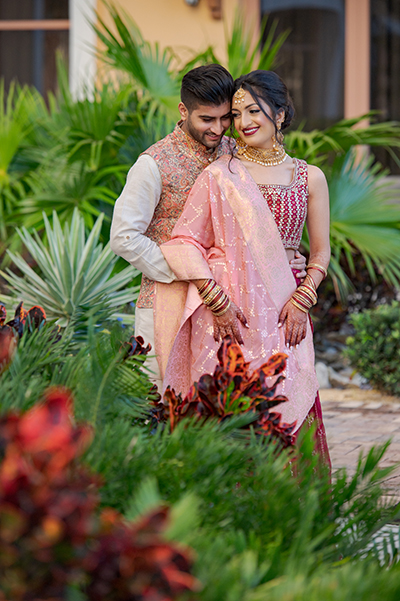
318,267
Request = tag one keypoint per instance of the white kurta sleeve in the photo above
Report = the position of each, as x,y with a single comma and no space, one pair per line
133,212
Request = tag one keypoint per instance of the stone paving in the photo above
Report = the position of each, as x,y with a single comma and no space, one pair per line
355,420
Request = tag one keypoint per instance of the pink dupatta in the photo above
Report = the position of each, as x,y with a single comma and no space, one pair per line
227,232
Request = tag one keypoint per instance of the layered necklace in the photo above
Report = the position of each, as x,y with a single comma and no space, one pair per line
268,157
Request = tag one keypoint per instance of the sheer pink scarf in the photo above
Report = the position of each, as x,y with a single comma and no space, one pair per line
227,232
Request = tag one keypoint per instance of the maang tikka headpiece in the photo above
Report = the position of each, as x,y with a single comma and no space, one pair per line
239,95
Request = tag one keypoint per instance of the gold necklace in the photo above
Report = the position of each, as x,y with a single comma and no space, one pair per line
268,157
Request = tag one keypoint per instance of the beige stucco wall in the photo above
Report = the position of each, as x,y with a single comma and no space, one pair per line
175,23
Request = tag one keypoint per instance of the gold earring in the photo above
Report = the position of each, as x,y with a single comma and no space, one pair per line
240,146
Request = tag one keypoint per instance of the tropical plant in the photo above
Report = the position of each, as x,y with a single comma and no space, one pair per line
59,539
244,53
149,69
364,221
75,273
320,147
62,188
374,348
233,390
14,126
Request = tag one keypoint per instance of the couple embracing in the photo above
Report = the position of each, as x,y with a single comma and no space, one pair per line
215,227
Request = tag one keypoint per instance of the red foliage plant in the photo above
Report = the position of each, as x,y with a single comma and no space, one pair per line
52,535
11,331
232,390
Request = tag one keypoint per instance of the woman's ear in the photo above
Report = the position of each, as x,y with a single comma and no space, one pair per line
280,117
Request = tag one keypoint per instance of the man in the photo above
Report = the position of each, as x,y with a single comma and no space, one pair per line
159,183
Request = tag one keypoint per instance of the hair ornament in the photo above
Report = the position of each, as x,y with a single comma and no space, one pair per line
239,95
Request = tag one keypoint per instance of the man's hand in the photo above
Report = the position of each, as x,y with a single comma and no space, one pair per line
299,262
294,322
228,324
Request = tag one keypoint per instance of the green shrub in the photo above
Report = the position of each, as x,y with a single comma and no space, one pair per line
374,350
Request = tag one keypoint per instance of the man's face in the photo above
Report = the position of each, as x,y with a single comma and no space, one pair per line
206,123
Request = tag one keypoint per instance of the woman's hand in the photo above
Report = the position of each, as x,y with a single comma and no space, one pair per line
228,324
299,262
295,323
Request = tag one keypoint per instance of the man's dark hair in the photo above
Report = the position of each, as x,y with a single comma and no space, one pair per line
208,84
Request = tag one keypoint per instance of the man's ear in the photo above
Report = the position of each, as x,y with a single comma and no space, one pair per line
183,111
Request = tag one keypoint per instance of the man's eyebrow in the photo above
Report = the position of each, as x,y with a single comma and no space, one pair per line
228,114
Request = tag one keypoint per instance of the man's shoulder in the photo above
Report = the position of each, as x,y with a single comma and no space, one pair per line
158,147
226,145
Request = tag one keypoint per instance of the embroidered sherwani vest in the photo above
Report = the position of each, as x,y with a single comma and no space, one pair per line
180,161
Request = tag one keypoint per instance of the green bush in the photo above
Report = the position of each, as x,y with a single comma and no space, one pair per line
374,350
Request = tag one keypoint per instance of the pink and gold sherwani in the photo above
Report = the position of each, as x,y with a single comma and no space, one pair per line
227,232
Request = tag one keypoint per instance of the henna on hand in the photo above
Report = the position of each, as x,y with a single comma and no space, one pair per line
295,323
228,324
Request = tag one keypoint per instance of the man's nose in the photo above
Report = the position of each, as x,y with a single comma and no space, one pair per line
218,128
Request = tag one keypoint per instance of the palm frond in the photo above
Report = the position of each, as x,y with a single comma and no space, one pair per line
246,53
148,68
365,220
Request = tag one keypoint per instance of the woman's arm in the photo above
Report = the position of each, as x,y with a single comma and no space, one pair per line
292,317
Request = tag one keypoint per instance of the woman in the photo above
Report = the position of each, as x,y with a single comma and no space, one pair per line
241,225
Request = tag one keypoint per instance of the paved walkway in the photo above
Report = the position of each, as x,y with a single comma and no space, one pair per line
355,420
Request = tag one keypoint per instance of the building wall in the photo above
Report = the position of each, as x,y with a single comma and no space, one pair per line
175,23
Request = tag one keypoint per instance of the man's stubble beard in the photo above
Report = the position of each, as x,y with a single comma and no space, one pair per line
201,136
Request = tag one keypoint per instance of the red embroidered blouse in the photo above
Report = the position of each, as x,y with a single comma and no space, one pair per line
288,204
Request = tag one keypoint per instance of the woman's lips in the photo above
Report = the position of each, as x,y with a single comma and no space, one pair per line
250,131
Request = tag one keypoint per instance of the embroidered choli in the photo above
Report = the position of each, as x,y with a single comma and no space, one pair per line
288,204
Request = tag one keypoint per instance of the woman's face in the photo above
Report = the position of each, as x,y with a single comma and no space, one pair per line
253,127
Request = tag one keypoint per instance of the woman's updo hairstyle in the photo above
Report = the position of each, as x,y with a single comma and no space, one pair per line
269,87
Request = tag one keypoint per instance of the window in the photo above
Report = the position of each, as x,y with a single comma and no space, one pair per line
31,33
312,58
385,67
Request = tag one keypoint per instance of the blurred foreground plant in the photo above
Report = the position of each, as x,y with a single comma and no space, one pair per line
52,537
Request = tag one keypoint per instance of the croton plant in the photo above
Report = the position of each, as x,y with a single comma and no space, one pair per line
53,535
12,331
231,390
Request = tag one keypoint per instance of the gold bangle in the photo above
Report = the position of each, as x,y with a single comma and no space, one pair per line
222,311
298,306
318,267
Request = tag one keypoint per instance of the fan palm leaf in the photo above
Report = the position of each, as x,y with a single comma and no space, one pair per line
75,273
318,146
365,220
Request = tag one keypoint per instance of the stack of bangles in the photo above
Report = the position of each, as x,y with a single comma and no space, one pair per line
214,297
305,296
